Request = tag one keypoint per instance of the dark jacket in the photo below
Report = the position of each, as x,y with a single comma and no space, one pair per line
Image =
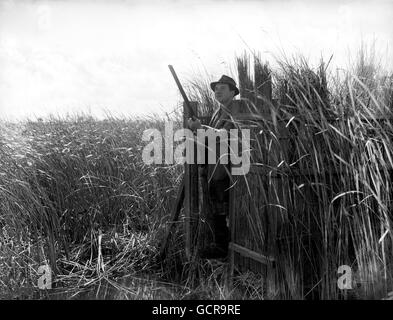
223,118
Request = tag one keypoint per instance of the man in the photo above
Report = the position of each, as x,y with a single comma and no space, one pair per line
218,175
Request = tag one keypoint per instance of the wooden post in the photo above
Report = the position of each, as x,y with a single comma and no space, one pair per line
191,205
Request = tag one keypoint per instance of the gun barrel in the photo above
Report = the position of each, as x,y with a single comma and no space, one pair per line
182,91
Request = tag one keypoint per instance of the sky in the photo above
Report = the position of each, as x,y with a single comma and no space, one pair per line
95,56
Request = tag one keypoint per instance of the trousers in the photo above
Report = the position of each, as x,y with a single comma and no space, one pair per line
219,199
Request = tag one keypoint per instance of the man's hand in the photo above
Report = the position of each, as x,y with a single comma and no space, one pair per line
194,124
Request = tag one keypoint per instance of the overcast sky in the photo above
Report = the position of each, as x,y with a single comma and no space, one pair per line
67,56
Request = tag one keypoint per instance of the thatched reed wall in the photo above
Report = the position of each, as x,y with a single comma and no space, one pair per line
318,194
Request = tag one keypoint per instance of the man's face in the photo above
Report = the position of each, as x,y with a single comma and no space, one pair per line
223,93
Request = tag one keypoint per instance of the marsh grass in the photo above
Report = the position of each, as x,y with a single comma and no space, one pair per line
75,192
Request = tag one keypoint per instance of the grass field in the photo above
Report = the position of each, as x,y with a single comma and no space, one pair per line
75,194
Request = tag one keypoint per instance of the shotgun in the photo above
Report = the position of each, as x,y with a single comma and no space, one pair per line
190,111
